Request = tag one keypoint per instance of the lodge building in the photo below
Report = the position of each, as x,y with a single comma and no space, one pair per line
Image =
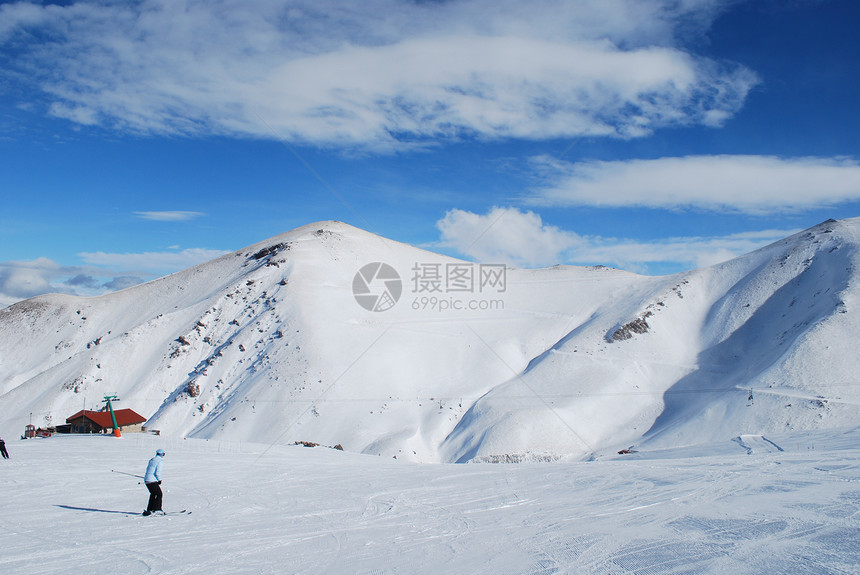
86,421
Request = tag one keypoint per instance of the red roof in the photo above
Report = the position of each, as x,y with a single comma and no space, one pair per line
102,418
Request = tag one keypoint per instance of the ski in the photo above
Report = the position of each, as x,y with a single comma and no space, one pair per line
167,513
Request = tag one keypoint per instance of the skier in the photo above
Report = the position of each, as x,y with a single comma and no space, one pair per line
3,451
152,479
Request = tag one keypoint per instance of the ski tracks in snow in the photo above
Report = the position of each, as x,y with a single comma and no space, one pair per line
318,511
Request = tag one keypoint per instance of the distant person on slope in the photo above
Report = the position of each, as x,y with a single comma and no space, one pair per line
3,449
152,479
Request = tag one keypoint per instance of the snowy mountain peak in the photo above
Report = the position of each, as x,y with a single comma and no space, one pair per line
333,335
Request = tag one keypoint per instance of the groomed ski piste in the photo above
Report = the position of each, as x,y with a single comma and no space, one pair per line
782,504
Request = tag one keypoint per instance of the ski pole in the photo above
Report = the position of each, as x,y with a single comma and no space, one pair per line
124,473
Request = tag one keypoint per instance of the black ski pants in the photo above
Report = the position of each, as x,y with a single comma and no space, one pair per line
154,496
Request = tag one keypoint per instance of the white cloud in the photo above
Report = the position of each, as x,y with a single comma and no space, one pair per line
750,184
159,262
379,75
521,239
21,280
680,252
25,279
20,15
170,216
104,272
506,235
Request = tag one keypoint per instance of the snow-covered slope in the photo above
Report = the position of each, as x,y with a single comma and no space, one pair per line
760,344
783,504
270,344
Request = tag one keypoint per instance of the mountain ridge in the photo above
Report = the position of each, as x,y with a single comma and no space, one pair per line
269,343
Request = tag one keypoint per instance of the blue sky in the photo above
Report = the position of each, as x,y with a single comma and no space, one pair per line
140,138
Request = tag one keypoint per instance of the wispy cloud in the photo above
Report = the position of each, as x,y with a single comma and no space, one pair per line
676,253
19,280
103,272
389,74
522,239
750,184
171,216
25,279
161,262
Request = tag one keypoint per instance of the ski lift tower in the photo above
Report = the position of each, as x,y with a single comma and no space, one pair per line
108,399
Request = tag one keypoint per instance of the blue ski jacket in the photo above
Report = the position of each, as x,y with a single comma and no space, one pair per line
153,470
